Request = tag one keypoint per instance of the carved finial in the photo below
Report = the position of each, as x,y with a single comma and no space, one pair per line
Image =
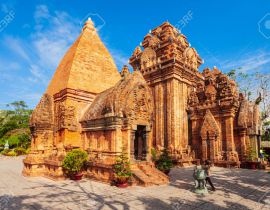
147,36
137,51
216,71
206,71
124,72
89,24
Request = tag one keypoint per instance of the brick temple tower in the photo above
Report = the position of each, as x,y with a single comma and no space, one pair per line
170,67
86,70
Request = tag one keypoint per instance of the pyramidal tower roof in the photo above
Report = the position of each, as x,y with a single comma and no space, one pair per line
86,66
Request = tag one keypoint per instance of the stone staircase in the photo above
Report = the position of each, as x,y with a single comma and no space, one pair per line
145,174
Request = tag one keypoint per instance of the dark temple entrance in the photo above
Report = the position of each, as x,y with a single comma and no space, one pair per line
140,146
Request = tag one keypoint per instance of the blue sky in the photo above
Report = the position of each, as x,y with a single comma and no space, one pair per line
35,35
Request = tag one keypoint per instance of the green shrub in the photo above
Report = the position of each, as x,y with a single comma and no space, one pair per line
16,117
20,151
74,161
154,154
251,153
265,155
19,140
5,151
11,153
122,167
27,150
10,125
24,140
164,162
2,143
13,141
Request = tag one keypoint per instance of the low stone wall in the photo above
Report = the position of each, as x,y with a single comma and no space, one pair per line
31,169
53,170
100,172
227,164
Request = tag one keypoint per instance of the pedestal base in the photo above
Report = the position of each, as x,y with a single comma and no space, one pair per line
201,191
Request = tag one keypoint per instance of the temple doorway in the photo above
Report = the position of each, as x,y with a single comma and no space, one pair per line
140,146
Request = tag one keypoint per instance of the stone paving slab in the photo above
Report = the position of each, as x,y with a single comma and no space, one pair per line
236,189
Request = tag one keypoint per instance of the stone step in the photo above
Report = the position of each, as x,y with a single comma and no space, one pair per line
147,174
154,172
140,178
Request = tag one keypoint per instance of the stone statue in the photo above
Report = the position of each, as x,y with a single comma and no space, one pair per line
6,145
199,176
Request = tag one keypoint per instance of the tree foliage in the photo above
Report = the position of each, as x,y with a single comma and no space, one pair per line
256,87
15,118
243,81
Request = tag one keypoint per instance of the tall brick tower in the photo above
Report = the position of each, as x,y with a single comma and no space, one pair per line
170,66
86,70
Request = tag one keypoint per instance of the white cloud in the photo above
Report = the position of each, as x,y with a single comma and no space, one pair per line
39,75
250,63
17,46
51,42
39,55
41,12
54,32
9,66
47,45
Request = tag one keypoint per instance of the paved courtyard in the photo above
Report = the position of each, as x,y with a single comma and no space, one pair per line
236,189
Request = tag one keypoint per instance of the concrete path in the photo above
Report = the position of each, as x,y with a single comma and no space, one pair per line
236,189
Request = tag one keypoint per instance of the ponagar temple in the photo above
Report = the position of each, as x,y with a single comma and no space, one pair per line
165,102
